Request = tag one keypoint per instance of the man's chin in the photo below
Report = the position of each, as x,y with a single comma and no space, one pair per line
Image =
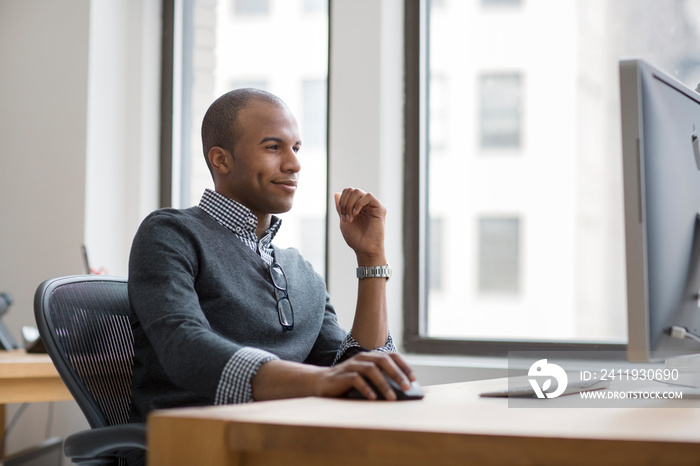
282,209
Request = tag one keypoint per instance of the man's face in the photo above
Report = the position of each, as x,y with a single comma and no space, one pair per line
265,167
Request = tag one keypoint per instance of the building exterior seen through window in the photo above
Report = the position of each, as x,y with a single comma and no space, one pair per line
524,160
218,56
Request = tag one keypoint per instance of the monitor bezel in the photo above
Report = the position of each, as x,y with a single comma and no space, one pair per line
635,75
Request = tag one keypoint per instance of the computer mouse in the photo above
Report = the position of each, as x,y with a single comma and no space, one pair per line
413,393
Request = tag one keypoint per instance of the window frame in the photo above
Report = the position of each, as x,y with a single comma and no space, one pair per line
167,78
415,213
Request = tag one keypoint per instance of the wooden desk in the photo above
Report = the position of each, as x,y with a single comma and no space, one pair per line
452,425
26,378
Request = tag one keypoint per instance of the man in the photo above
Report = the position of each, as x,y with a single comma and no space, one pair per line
219,314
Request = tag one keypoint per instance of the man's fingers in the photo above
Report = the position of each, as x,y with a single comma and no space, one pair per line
391,364
337,202
376,376
348,200
360,383
365,200
367,376
352,201
403,365
399,371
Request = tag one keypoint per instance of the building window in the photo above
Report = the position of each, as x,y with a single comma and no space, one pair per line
251,7
500,110
499,255
315,6
497,3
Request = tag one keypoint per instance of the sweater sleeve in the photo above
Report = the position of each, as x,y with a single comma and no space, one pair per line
162,271
335,345
329,339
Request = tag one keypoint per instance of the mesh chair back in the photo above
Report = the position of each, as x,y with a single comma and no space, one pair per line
84,324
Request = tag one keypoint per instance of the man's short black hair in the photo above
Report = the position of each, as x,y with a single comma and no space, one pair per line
220,123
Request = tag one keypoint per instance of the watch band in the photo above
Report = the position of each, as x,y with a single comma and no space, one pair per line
377,271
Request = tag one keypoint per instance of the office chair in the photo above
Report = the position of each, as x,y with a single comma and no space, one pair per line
83,321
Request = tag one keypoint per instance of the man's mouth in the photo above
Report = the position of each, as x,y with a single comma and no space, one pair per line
289,185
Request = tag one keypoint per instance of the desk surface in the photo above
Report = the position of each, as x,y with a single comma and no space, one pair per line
451,425
29,378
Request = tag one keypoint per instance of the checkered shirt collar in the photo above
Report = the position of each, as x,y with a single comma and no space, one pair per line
236,217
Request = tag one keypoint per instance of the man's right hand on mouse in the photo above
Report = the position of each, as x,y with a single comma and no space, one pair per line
369,365
298,380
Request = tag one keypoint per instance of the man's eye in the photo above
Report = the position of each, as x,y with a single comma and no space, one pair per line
273,147
296,149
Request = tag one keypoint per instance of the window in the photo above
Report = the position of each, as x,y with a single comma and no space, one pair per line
495,3
214,55
439,112
313,233
500,117
313,117
435,254
532,246
257,84
251,7
315,6
499,255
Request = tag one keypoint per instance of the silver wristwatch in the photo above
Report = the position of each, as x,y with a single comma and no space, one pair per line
378,271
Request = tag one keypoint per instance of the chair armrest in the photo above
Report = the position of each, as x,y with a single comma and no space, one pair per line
105,441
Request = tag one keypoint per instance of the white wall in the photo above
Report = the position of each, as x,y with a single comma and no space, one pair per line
43,116
366,137
78,152
123,127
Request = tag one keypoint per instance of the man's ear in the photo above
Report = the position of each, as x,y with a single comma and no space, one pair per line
220,160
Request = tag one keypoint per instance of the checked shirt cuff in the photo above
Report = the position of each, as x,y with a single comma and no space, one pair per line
235,385
349,345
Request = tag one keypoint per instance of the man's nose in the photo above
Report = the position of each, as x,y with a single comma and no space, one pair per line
291,162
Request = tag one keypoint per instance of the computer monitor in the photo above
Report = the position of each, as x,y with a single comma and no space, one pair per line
661,173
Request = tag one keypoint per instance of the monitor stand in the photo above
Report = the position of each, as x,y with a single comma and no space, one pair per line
688,365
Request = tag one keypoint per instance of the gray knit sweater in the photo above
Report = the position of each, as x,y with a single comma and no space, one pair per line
199,295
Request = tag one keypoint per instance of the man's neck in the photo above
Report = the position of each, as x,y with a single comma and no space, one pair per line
264,222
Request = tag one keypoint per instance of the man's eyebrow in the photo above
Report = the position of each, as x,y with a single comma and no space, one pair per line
276,139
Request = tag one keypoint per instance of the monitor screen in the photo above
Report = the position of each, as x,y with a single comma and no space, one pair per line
661,171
